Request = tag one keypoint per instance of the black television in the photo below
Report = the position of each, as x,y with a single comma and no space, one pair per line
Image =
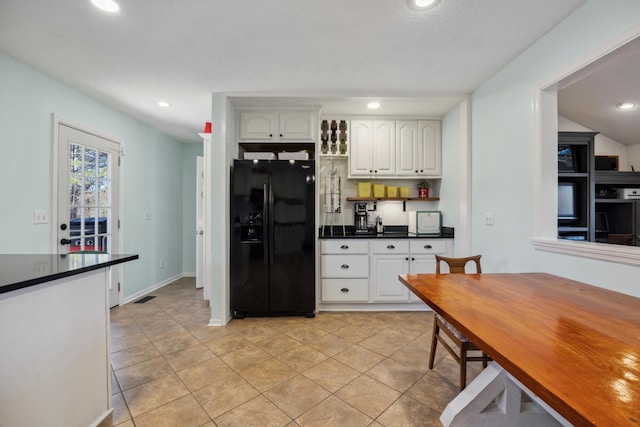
567,209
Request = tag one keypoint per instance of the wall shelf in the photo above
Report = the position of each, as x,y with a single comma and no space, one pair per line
404,200
392,199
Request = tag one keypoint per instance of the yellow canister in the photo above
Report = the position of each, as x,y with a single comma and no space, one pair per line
364,189
378,190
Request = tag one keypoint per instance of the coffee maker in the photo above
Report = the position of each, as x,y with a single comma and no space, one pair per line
360,223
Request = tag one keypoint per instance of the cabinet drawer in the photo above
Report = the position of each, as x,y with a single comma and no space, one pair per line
345,290
344,246
420,246
345,266
385,246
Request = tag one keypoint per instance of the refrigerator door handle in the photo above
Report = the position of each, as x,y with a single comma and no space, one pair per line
272,236
265,207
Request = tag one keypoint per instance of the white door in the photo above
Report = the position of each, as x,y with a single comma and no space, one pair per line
87,196
200,222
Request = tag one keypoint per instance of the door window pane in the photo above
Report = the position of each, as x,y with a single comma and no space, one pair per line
103,164
75,190
75,159
90,191
90,162
103,192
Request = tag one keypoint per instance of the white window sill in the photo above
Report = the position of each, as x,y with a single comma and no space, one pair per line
601,251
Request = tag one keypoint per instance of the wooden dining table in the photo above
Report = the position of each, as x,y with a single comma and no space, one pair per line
576,346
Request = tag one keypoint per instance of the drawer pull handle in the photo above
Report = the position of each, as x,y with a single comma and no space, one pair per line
345,266
390,247
345,290
344,247
428,247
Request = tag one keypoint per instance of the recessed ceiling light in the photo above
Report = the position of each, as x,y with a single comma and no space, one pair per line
422,4
106,5
164,104
626,106
373,105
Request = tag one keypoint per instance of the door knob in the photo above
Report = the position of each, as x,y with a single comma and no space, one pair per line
64,241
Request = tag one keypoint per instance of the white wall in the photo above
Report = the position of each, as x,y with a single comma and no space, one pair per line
153,173
502,149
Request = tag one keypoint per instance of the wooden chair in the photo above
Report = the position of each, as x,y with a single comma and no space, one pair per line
620,239
456,266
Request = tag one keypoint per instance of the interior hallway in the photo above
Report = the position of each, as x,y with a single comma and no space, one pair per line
338,369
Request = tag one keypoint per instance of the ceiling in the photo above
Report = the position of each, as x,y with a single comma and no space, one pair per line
338,53
593,95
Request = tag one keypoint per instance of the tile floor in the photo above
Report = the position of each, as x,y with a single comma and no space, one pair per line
338,369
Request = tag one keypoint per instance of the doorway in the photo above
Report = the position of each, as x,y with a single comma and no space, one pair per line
87,196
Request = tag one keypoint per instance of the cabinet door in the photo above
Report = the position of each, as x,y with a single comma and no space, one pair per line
386,286
384,148
429,148
257,126
418,265
296,126
406,148
361,156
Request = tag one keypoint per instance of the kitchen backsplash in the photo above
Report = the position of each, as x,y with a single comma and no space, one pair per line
390,211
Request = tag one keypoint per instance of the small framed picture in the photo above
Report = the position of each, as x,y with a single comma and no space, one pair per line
566,158
428,222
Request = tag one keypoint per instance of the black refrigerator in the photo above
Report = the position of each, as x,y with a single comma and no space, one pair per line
273,208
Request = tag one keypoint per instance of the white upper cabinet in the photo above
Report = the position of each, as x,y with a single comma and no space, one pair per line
296,126
407,147
429,148
395,148
277,126
373,151
418,148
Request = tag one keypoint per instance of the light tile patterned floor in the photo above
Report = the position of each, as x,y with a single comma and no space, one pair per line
338,369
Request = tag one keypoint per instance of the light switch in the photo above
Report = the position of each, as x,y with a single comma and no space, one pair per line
40,217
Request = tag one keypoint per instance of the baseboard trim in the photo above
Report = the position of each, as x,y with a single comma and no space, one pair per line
153,288
215,322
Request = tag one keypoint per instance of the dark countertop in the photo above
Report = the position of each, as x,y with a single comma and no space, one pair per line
19,271
391,232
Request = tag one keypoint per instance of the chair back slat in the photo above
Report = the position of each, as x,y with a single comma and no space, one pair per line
457,265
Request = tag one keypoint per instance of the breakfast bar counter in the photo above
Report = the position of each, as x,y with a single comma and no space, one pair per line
19,271
54,338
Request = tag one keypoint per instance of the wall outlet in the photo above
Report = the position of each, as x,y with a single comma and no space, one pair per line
161,262
488,218
40,217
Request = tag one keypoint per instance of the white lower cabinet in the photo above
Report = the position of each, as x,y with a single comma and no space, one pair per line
344,270
367,270
345,290
390,258
384,278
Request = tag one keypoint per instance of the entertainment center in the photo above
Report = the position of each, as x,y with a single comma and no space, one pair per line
594,205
